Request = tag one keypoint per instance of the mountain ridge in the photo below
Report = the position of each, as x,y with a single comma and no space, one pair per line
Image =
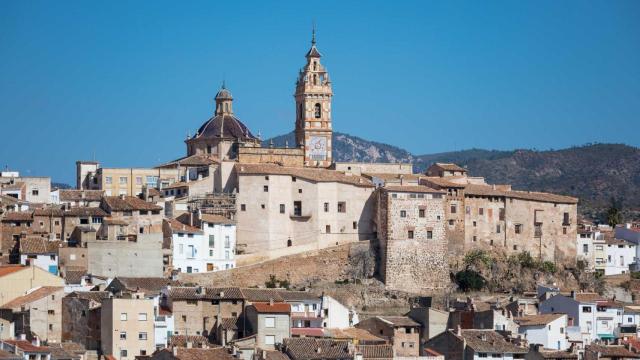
594,172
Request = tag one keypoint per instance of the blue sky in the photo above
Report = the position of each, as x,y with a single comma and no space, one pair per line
126,81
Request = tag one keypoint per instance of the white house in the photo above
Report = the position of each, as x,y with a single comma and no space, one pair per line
208,248
580,309
620,254
40,252
336,315
548,330
630,233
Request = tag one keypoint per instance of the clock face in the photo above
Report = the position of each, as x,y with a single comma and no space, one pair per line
318,147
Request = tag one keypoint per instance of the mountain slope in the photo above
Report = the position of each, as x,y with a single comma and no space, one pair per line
595,173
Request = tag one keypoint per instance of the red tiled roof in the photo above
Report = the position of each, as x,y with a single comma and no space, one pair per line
18,216
215,219
413,189
10,269
275,308
310,332
177,226
319,175
26,346
37,294
128,203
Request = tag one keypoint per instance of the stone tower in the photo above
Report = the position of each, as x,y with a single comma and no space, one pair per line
313,110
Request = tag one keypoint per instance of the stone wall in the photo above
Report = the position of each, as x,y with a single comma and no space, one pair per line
293,157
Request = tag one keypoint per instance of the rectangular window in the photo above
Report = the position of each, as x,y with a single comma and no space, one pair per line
123,180
226,255
480,211
403,213
586,309
355,225
142,336
326,207
107,180
453,209
421,213
123,353
34,192
265,188
243,207
123,335
270,322
565,219
269,339
212,241
297,208
501,214
282,208
585,248
227,242
123,316
429,234
342,206
138,180
327,229
142,317
518,228
410,234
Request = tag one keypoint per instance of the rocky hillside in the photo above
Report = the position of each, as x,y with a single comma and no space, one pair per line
595,173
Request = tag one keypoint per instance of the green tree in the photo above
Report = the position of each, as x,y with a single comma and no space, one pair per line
614,213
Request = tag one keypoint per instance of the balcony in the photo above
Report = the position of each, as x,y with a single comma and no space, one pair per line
299,216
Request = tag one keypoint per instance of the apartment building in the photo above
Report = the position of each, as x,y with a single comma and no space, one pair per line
127,326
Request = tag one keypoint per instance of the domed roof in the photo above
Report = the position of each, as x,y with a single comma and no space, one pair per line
226,125
224,94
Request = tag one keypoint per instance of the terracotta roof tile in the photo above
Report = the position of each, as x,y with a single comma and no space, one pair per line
215,219
27,346
193,160
177,226
81,195
537,320
10,269
38,245
489,341
49,212
275,308
195,340
149,285
18,216
616,351
74,276
194,293
229,323
5,355
128,203
219,353
319,175
85,211
37,294
399,321
413,189
376,351
316,349
449,167
352,333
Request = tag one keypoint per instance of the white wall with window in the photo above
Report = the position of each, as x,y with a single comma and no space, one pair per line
619,255
210,249
221,244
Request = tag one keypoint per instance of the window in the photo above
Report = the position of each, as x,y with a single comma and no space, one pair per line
326,207
299,191
564,231
270,322
480,211
123,316
138,180
451,223
107,180
586,309
421,213
475,238
123,353
143,352
84,221
297,208
265,188
269,339
123,180
474,224
403,213
51,312
262,206
212,241
142,317
142,336
355,225
282,209
293,179
227,242
482,355
266,177
497,229
410,234
96,220
318,111
518,228
429,234
34,192
123,335
453,209
565,219
327,229
342,206
243,207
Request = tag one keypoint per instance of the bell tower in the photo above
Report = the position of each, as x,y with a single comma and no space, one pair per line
313,110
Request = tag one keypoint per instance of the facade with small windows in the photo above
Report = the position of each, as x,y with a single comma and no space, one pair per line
412,238
620,254
285,207
127,326
401,331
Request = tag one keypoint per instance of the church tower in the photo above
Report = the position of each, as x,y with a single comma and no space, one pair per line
313,110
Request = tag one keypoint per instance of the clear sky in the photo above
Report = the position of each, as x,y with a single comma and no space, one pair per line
127,81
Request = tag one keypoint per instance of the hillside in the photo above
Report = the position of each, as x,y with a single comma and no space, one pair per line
595,173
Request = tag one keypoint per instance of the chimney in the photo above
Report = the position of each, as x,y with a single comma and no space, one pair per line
35,341
222,294
459,331
319,350
271,301
264,354
23,337
573,294
189,344
121,196
174,350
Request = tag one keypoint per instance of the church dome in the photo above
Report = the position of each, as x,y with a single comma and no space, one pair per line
225,126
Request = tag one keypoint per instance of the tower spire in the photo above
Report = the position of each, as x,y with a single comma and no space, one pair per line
313,34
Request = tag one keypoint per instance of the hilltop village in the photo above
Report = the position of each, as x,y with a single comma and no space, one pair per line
144,263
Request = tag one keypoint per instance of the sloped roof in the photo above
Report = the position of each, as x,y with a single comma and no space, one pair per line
262,295
193,160
148,285
318,175
449,167
399,320
413,189
316,349
195,340
617,351
537,320
194,293
10,269
229,323
74,276
18,216
37,294
352,333
5,355
215,219
219,353
27,346
38,245
128,203
49,211
177,226
376,351
81,195
489,341
272,308
85,211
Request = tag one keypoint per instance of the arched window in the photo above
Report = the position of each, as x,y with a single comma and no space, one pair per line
226,107
315,65
318,111
301,111
315,79
289,243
